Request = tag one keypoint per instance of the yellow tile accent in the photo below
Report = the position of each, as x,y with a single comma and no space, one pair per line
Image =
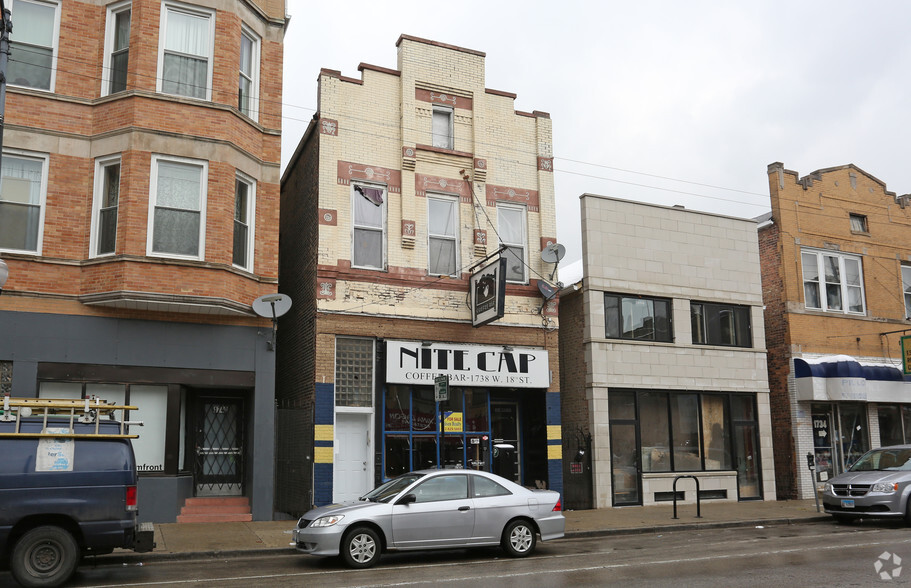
555,452
554,432
322,454
323,432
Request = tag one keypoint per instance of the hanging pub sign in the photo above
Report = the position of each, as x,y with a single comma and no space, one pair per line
487,290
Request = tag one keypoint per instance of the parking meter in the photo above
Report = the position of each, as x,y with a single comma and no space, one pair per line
811,464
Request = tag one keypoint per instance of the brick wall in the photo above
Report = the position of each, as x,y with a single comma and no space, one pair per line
778,359
75,125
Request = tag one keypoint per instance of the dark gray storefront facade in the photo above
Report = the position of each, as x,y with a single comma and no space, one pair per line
205,392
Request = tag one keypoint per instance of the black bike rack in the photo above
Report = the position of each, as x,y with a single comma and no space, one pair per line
698,510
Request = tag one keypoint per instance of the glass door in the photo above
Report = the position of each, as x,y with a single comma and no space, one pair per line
504,428
746,447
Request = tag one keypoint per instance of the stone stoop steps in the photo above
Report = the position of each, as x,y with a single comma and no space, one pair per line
216,510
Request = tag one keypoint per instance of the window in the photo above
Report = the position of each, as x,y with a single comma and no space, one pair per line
442,127
177,207
369,206
720,324
186,51
443,224
22,192
353,372
906,289
117,49
107,201
483,487
858,223
454,487
638,318
247,89
832,282
511,229
244,205
33,44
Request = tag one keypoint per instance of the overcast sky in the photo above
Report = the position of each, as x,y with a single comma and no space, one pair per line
665,102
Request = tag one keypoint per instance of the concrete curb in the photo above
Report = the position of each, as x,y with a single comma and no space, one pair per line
129,558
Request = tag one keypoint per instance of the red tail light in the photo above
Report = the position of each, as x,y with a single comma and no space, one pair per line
132,498
557,507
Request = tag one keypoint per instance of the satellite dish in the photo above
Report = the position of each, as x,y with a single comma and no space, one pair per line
547,290
272,305
553,253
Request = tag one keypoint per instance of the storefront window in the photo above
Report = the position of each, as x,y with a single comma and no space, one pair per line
425,451
894,424
476,410
151,403
398,454
413,434
655,432
685,427
398,408
853,432
716,436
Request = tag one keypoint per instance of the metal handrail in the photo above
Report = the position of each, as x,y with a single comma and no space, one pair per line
698,510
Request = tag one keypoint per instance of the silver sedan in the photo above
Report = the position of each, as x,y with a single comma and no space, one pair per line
433,509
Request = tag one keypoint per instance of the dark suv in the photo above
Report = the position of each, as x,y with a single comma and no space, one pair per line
67,497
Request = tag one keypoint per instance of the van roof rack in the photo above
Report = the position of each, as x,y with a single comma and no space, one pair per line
85,410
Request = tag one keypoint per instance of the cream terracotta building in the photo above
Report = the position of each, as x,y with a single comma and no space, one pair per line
408,180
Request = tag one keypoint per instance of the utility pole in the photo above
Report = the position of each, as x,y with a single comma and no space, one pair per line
6,27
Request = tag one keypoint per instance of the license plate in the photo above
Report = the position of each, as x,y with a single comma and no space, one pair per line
847,504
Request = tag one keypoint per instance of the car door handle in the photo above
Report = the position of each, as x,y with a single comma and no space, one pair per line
464,508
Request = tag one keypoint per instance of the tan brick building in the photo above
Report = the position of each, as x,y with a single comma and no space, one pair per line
837,288
405,181
139,220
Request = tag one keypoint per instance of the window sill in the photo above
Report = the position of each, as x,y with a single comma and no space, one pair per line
444,151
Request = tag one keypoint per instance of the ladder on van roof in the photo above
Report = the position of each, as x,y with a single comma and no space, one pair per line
86,410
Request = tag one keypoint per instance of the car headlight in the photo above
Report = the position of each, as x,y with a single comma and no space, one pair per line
327,521
885,487
828,489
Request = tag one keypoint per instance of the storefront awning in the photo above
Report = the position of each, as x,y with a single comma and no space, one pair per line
842,377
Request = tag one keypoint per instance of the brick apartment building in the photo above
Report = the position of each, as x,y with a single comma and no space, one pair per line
139,220
663,359
405,179
836,279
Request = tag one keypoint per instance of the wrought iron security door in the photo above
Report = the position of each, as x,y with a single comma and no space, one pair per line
219,467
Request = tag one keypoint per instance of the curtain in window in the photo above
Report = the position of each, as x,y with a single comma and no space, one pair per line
373,195
810,280
833,282
442,129
187,46
20,203
32,45
854,289
442,238
177,208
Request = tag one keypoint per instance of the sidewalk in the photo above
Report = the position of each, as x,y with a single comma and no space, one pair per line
194,540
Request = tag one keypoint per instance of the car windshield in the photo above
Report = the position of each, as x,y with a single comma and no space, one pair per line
887,459
384,492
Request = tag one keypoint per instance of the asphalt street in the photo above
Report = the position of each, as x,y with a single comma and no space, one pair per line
814,554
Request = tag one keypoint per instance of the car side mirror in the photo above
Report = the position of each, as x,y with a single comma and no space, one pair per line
407,499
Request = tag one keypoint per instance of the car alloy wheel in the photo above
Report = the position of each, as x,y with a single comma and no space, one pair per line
362,547
519,539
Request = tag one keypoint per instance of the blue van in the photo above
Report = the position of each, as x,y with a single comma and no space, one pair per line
62,498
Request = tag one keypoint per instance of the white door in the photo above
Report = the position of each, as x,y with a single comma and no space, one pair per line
352,476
